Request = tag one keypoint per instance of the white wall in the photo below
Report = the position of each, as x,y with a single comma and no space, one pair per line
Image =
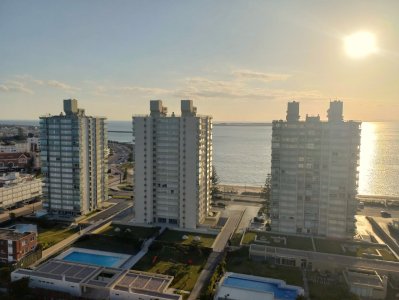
50,284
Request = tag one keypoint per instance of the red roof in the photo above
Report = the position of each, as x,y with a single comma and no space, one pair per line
15,155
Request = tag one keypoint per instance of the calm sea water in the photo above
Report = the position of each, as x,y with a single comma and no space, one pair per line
242,154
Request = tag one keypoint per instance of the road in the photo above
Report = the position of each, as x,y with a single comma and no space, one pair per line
120,205
217,254
375,211
120,153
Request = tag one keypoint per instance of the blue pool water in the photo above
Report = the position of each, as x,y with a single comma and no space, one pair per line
93,259
261,286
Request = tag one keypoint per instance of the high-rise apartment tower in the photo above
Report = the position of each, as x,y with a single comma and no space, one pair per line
74,162
314,173
173,166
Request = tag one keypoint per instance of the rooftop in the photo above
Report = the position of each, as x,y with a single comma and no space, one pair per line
364,277
145,283
105,277
9,234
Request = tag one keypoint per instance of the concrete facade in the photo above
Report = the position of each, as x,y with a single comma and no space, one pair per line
315,174
14,245
15,189
173,166
95,282
74,162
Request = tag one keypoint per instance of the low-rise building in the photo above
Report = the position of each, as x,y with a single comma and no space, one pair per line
366,283
16,243
234,286
16,189
13,148
14,161
33,144
96,282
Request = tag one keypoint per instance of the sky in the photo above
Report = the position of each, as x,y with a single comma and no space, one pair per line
237,60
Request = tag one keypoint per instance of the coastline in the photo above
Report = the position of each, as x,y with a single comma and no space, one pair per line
231,188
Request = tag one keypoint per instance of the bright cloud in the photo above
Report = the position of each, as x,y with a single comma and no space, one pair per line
266,77
15,86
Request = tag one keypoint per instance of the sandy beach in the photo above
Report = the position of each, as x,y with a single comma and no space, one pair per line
239,188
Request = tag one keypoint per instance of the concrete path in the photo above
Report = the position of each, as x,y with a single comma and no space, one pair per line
144,249
218,251
71,239
305,283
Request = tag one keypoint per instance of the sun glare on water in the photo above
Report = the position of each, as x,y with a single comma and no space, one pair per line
360,44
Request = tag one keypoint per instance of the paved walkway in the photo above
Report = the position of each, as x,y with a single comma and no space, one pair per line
144,249
71,239
218,251
305,283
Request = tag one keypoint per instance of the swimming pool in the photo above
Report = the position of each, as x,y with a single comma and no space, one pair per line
261,286
94,259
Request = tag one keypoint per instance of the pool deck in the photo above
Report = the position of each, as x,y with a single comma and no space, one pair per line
241,286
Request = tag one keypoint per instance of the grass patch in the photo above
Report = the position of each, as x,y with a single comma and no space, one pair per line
181,261
239,262
249,238
236,239
108,243
122,197
328,246
48,237
336,291
266,238
130,232
352,249
174,236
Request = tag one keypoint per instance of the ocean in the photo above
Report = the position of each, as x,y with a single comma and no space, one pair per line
242,154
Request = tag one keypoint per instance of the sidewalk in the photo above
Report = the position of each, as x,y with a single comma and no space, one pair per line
134,259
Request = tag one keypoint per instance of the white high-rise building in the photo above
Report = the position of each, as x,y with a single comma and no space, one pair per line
173,166
74,163
315,173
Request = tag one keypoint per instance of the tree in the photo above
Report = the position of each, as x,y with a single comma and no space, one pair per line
19,289
266,193
21,135
125,174
215,183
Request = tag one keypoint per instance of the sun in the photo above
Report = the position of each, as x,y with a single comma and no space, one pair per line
360,44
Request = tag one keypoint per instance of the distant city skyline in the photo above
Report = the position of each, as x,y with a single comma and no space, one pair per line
239,61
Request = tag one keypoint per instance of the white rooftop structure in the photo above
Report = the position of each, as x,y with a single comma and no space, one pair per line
96,282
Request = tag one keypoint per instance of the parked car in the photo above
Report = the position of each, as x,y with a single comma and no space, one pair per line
385,214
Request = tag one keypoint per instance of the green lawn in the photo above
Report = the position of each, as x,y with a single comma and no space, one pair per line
181,261
335,247
175,236
130,232
336,291
121,196
236,239
249,238
108,243
48,237
328,246
238,262
384,251
293,242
